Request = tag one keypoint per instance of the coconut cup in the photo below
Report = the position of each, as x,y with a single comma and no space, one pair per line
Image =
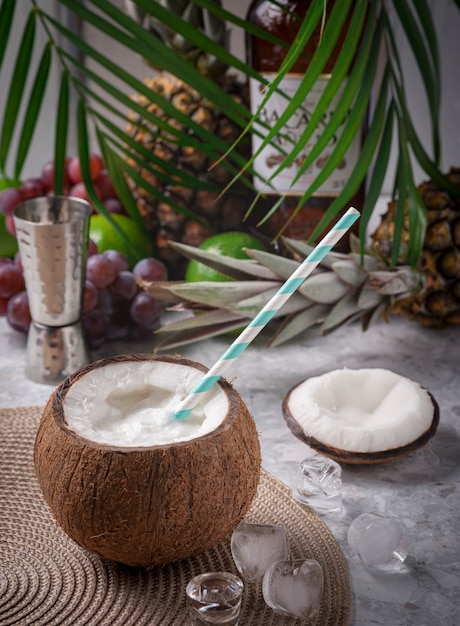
155,502
361,417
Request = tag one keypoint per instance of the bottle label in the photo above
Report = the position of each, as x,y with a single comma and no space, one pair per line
270,158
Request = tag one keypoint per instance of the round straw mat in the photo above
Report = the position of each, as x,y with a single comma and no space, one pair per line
46,578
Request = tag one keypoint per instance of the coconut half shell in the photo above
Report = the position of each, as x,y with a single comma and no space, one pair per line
350,454
152,505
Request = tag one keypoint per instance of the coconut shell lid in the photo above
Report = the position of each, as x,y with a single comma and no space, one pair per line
354,457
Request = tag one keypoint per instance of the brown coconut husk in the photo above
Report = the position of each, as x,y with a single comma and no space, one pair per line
152,505
352,457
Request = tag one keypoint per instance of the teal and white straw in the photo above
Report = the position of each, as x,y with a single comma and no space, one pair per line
265,315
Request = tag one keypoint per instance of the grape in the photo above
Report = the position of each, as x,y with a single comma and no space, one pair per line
92,247
124,287
90,296
3,306
117,331
9,200
79,191
4,260
105,301
142,333
104,183
117,258
150,269
10,225
113,205
95,325
47,175
18,313
32,188
74,171
145,310
100,270
11,280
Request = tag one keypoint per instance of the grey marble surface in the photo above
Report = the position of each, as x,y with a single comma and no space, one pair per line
422,490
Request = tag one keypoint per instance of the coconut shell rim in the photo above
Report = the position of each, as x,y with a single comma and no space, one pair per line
353,457
59,394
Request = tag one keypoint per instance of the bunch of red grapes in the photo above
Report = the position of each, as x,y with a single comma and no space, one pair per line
114,306
43,185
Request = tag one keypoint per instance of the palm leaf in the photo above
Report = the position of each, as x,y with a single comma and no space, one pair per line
17,83
102,88
60,143
6,20
33,109
334,84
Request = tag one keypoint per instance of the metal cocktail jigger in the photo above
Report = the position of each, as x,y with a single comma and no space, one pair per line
52,234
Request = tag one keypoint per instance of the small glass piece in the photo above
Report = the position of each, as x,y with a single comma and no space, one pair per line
215,598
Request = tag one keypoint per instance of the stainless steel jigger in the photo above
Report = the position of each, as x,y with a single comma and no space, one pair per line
52,234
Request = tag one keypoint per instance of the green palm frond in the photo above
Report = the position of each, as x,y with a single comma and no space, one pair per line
101,87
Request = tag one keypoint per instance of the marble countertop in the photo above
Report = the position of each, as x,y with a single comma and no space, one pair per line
422,490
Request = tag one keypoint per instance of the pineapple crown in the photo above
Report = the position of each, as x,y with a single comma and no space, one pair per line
344,288
201,19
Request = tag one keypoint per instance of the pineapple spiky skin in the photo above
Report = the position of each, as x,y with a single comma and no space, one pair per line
438,303
205,211
344,288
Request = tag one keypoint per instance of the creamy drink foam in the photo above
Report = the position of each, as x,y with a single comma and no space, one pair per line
135,406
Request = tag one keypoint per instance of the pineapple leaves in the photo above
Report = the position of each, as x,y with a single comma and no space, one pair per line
238,269
198,328
240,292
344,311
298,323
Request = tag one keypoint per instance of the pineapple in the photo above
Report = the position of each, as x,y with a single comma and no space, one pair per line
438,303
188,213
344,287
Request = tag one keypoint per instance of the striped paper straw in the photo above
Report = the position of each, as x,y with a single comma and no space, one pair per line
265,315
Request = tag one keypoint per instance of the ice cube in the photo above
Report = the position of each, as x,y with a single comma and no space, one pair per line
294,588
215,598
319,483
255,546
381,542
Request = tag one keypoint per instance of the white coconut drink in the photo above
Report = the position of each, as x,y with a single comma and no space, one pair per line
129,481
362,416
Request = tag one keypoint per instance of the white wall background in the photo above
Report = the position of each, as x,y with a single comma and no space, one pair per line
446,19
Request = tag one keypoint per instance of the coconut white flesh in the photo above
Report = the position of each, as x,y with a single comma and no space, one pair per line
132,404
364,410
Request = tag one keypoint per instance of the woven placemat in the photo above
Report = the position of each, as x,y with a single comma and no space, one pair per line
46,578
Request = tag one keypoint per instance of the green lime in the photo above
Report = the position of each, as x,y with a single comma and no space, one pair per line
229,244
106,237
8,243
